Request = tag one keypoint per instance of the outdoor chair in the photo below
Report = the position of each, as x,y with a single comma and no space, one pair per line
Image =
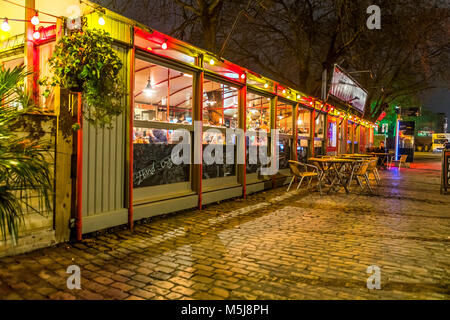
372,169
362,175
302,171
401,161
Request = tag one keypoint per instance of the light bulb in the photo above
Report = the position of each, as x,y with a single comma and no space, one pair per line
211,62
266,85
148,90
243,76
5,25
164,45
101,20
298,97
36,35
35,19
284,91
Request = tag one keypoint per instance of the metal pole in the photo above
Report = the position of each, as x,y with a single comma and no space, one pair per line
79,220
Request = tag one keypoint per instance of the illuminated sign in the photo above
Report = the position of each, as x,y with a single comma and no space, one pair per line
346,89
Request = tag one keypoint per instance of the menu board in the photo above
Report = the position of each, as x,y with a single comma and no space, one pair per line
446,169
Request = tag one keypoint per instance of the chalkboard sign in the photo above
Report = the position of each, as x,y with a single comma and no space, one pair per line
446,169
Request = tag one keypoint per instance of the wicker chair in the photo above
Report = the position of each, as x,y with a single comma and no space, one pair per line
362,174
372,169
302,171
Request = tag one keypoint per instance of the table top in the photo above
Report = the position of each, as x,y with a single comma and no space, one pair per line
356,155
381,154
333,160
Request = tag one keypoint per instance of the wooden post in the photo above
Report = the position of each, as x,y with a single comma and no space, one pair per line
63,183
273,125
313,129
242,110
294,155
131,61
31,54
197,116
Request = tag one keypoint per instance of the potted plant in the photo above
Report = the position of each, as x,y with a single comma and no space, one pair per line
85,61
24,169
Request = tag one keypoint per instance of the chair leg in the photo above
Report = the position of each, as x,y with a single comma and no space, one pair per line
309,182
300,183
319,184
290,184
359,183
377,175
368,183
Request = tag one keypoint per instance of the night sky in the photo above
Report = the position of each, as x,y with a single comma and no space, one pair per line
438,100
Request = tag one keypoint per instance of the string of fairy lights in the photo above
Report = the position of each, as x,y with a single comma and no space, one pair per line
35,21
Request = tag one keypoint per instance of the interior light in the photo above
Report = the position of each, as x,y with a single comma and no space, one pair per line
5,25
101,20
187,75
299,122
35,19
148,90
164,45
211,62
36,35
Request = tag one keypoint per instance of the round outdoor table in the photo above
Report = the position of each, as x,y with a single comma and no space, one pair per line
336,166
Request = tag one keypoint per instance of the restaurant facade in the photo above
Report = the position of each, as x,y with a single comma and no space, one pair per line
126,173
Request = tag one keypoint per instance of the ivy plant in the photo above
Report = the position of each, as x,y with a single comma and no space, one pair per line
85,61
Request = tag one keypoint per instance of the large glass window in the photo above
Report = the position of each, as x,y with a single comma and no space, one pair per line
284,117
220,104
163,98
304,122
319,126
220,109
258,112
45,53
162,94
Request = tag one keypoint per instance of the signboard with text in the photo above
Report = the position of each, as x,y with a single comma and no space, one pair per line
346,89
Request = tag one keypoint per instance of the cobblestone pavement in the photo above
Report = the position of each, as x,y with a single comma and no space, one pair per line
274,245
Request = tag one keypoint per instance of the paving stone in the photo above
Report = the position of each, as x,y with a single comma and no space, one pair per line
297,245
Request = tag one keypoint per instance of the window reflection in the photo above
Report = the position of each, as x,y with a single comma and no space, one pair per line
220,104
304,122
258,112
284,117
162,94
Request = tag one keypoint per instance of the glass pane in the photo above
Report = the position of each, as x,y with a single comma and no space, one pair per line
217,169
302,150
45,53
284,117
162,94
258,112
220,104
319,126
261,143
284,152
152,164
332,135
304,122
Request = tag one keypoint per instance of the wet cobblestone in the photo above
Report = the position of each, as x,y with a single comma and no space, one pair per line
273,245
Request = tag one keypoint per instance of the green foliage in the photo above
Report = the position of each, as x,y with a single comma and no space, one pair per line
86,62
23,166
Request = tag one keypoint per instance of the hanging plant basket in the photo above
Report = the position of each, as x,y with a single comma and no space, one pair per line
86,62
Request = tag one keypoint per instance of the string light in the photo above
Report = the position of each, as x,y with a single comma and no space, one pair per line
164,45
5,25
298,97
211,62
101,20
36,35
243,76
266,85
35,19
